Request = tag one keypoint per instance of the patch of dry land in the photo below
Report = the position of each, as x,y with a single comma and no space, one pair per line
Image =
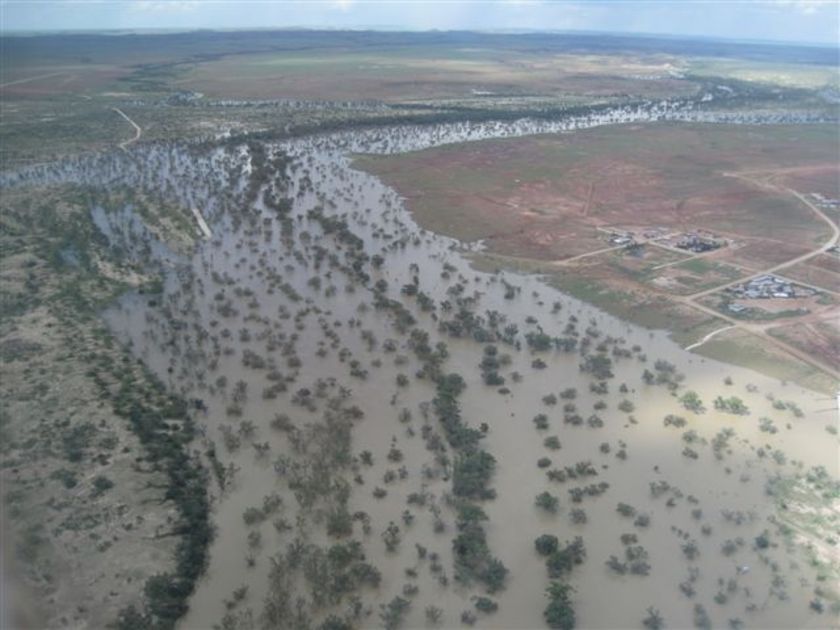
438,72
90,440
602,212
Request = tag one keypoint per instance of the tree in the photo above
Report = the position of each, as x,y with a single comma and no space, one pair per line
599,365
391,536
654,620
691,401
485,605
762,541
471,474
559,613
393,613
564,560
335,623
166,595
433,615
547,502
546,544
130,619
733,405
541,421
470,513
494,575
339,522
626,406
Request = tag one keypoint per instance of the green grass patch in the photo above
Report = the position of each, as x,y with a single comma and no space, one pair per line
746,351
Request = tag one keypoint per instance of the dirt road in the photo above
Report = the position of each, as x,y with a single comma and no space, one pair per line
31,79
760,329
137,130
831,242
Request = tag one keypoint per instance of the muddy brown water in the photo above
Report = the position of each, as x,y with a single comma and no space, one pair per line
183,339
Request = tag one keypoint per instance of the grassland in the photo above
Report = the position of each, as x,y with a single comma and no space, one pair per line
57,90
822,271
696,274
817,336
742,348
766,72
544,197
547,202
433,73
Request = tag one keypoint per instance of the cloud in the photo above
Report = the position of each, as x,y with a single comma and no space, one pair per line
165,6
807,7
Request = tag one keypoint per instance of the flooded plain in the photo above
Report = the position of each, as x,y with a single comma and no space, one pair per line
296,329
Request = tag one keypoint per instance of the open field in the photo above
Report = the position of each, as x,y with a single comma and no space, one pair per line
544,197
554,199
56,90
33,82
741,348
694,275
814,179
818,336
769,72
638,262
421,73
822,271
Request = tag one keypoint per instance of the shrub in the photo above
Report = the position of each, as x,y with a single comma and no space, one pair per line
486,605
546,544
101,484
547,502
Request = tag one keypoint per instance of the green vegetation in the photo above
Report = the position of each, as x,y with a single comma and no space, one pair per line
54,231
559,613
472,471
546,544
691,401
732,404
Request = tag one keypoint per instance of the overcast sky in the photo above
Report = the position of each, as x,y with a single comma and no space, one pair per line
807,21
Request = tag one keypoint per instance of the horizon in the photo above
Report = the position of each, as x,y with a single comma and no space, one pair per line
799,22
396,29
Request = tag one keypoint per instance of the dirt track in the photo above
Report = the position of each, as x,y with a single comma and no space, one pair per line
137,130
760,329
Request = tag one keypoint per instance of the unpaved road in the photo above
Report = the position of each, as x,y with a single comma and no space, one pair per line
835,235
760,329
709,336
30,79
137,130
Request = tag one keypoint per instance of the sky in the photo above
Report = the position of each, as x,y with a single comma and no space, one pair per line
804,21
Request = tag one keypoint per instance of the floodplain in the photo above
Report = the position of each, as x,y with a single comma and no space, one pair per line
387,361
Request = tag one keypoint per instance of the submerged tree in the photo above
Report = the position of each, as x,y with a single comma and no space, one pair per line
559,613
654,620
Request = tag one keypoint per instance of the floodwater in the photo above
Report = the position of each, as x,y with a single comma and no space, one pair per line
233,296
